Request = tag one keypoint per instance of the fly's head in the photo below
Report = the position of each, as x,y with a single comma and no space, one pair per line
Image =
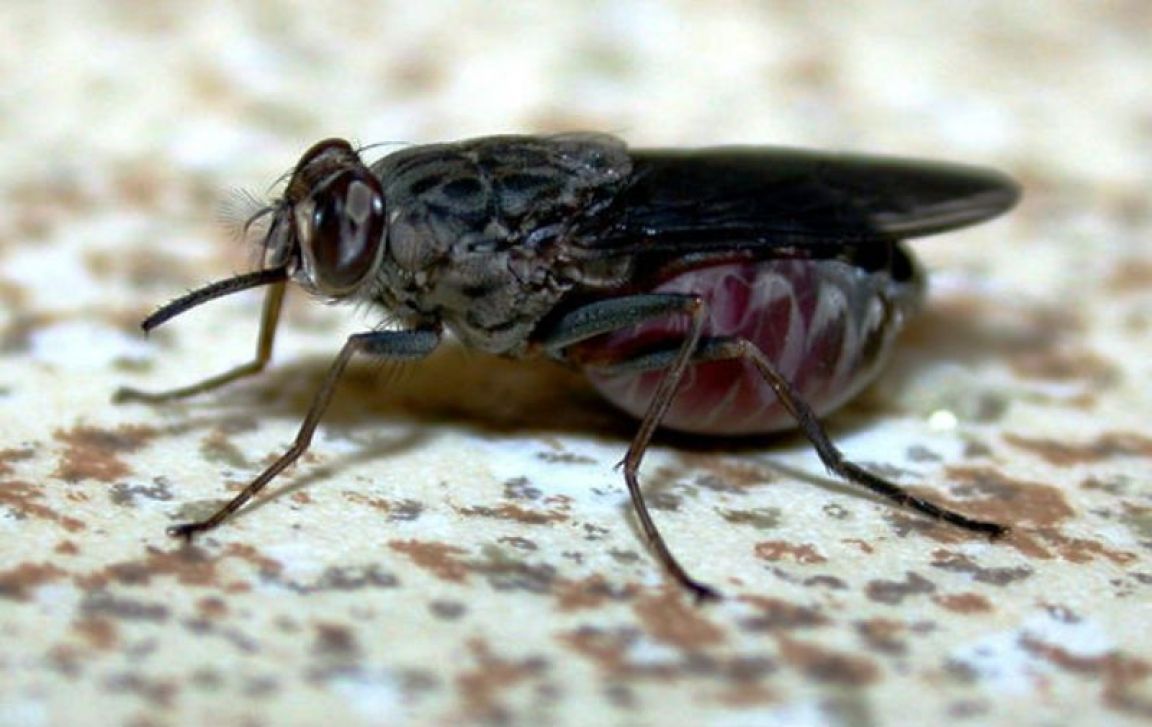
327,231
326,234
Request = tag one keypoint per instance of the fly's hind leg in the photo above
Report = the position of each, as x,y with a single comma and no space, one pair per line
616,314
809,424
269,317
828,452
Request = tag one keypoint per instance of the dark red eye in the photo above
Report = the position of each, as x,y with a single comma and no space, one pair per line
345,227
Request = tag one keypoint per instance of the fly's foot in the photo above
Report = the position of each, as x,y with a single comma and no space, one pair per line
996,531
702,593
186,531
124,394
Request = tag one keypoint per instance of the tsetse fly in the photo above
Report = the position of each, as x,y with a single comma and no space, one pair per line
728,290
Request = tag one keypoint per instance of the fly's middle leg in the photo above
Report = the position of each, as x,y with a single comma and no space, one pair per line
614,314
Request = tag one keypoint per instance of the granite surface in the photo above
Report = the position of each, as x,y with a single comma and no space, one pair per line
457,545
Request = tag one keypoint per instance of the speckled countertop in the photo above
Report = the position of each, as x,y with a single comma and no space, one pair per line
457,545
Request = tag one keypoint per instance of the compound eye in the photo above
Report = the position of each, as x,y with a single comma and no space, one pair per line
342,231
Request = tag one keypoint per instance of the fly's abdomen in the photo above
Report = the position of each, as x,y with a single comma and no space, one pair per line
826,325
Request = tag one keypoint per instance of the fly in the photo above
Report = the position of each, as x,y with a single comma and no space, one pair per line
728,290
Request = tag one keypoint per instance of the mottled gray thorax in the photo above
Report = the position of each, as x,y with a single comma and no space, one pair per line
477,230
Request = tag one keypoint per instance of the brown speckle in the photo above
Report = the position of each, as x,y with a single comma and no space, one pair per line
920,453
99,632
515,513
1008,499
301,498
1139,519
1119,672
894,592
92,453
376,503
565,458
780,615
526,545
761,518
417,73
336,578
19,582
825,665
218,448
964,602
157,692
482,685
606,648
190,565
989,495
590,592
826,581
948,560
64,659
1019,504
746,681
123,493
1082,550
968,708
743,678
405,510
447,610
12,455
1120,485
334,641
212,607
1131,275
439,559
1104,447
398,510
100,603
864,546
21,498
671,618
731,472
505,572
16,336
1065,363
883,635
776,550
521,488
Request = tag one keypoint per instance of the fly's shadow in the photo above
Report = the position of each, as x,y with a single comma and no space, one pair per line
452,387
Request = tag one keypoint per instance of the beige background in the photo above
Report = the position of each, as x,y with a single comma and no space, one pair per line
457,544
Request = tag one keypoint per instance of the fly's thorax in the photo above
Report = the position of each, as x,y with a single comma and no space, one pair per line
476,230
491,299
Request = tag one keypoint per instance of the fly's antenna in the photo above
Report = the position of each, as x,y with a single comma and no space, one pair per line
213,291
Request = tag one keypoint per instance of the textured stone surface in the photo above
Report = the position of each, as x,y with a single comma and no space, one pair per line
457,544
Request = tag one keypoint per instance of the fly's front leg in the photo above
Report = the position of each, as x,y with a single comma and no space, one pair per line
269,318
395,345
615,314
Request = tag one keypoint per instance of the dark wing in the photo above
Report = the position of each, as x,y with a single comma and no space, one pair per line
755,197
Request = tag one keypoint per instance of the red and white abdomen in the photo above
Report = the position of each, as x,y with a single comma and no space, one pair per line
826,325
